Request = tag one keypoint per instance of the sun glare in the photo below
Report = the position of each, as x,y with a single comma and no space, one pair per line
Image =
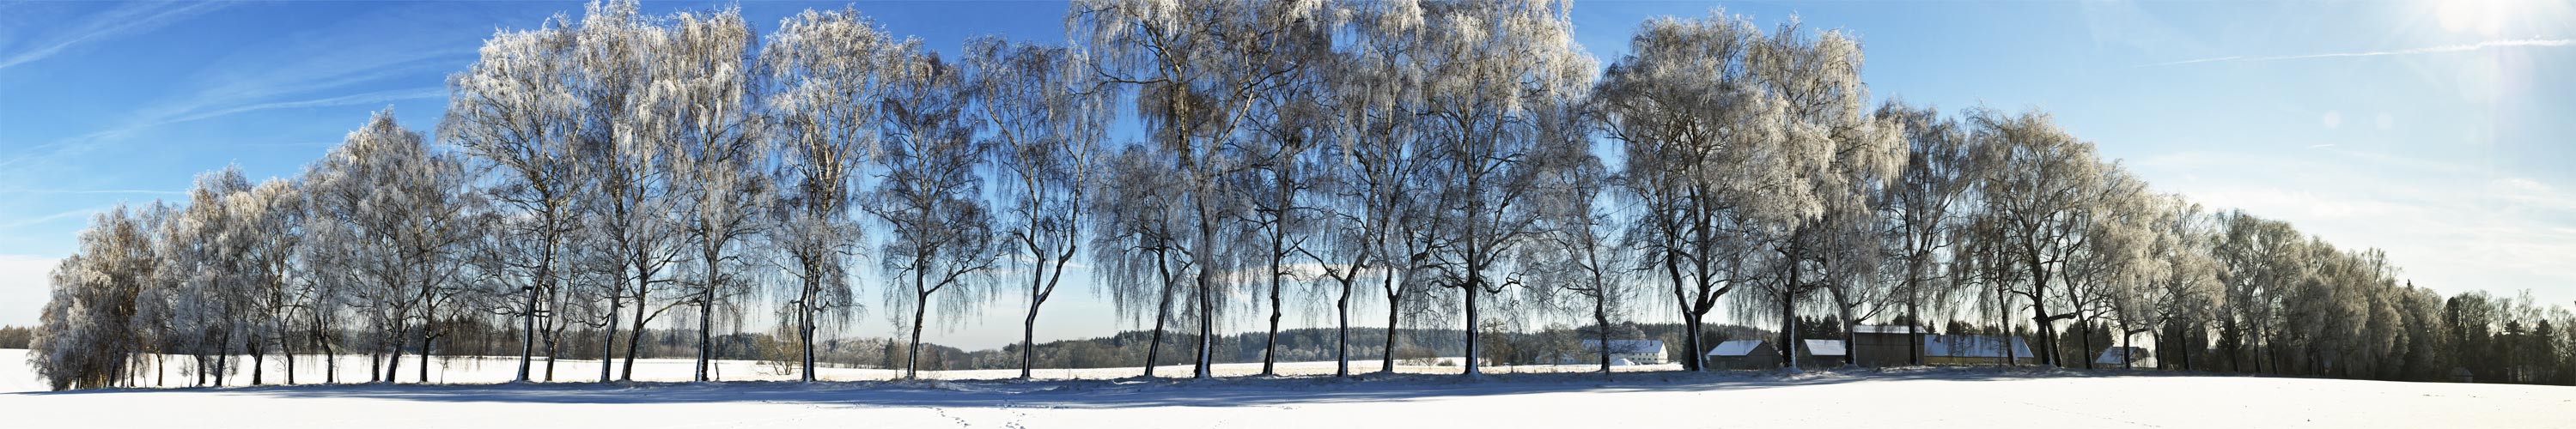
2481,16
2506,18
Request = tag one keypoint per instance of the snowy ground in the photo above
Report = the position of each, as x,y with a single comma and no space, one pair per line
174,372
1981,398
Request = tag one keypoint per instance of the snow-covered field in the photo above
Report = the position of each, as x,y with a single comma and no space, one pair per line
500,369
1979,398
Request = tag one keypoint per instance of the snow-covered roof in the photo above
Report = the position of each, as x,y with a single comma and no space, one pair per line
2113,355
1825,347
1735,348
1626,346
1885,329
1971,346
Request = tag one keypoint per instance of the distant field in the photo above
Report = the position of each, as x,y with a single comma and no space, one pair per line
1964,398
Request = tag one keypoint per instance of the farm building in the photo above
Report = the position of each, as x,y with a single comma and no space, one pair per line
1885,345
1622,352
1744,354
1821,353
1975,350
2132,357
1893,345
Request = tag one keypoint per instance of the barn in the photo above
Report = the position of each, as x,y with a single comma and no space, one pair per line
1896,345
1821,353
1975,350
1885,345
2125,357
1744,354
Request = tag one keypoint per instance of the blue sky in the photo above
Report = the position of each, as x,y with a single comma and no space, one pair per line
2440,131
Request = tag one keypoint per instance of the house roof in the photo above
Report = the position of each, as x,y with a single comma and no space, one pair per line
1735,348
1972,346
1626,346
2113,355
1885,329
1825,347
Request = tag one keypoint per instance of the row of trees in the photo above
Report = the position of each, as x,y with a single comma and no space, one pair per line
16,337
1436,157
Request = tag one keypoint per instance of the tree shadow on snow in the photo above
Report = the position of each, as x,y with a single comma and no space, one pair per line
1125,393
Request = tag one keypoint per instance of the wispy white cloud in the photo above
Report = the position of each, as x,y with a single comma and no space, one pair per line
67,214
289,144
2466,47
2532,195
377,97
318,69
314,71
372,58
126,20
90,191
72,144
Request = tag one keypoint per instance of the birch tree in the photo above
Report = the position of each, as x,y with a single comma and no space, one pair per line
360,241
270,214
2255,257
89,335
2116,260
2185,292
1138,253
330,273
2036,187
515,109
1924,204
1703,166
1048,122
406,206
630,208
827,67
1843,154
701,105
1578,228
1197,68
1286,121
1852,270
205,253
1489,67
1345,248
1368,180
930,197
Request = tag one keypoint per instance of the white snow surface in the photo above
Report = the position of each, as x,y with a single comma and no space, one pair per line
1735,348
1825,347
1908,397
